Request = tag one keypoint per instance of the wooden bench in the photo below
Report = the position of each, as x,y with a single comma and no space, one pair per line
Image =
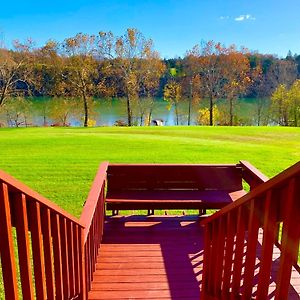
158,186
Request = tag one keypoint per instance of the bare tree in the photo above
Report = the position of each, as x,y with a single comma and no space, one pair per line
130,55
208,59
81,69
16,70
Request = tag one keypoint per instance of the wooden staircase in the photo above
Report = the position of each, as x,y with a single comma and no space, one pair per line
155,257
247,250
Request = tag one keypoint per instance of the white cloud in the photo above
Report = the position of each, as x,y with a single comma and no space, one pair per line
242,18
224,18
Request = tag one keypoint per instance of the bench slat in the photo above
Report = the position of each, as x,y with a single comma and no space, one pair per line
171,199
201,177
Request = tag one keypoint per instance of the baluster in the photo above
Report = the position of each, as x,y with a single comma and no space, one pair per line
206,259
214,252
57,255
71,258
219,258
83,264
269,238
239,252
47,239
37,250
252,240
77,261
230,234
93,243
6,246
290,238
88,263
23,245
64,256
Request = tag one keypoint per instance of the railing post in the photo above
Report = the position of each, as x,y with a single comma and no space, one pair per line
206,260
269,238
230,234
84,292
6,246
58,272
23,246
37,251
290,239
252,240
239,252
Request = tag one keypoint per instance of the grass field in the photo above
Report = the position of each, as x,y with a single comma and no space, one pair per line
60,163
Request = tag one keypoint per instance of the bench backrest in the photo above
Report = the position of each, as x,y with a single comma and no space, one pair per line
174,177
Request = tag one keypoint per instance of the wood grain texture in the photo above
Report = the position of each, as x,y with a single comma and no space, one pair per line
149,258
201,177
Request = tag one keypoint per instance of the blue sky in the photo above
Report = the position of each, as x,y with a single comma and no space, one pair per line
174,25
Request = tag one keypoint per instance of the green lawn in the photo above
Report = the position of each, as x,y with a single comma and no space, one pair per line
60,163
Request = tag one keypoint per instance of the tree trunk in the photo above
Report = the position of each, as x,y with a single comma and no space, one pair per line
45,120
150,116
2,97
3,94
129,113
86,111
190,103
141,119
176,112
211,111
231,111
258,116
259,104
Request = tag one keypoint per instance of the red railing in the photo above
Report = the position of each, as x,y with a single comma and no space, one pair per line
35,232
251,175
241,238
92,218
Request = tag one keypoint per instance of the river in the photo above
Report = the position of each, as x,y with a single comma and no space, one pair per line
106,112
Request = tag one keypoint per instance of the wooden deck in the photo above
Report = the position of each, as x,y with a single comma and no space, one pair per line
157,258
149,258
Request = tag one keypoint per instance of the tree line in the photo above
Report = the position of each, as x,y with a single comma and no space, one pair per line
105,65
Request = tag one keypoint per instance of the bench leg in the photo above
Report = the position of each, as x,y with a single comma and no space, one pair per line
202,211
115,212
150,212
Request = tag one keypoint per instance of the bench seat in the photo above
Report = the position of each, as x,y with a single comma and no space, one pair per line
177,186
171,199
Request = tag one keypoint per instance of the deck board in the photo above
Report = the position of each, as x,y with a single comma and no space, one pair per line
156,258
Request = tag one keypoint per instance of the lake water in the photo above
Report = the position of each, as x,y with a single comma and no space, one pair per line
108,111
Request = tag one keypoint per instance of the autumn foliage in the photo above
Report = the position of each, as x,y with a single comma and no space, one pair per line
86,66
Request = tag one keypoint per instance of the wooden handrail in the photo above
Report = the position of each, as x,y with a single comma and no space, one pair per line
252,175
92,217
90,205
47,237
170,165
16,185
245,233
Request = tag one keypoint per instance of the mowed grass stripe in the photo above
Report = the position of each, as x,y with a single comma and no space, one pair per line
60,163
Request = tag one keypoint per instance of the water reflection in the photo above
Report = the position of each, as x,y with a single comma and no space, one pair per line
106,112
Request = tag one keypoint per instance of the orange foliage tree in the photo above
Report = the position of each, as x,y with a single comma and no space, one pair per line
134,61
211,71
236,75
